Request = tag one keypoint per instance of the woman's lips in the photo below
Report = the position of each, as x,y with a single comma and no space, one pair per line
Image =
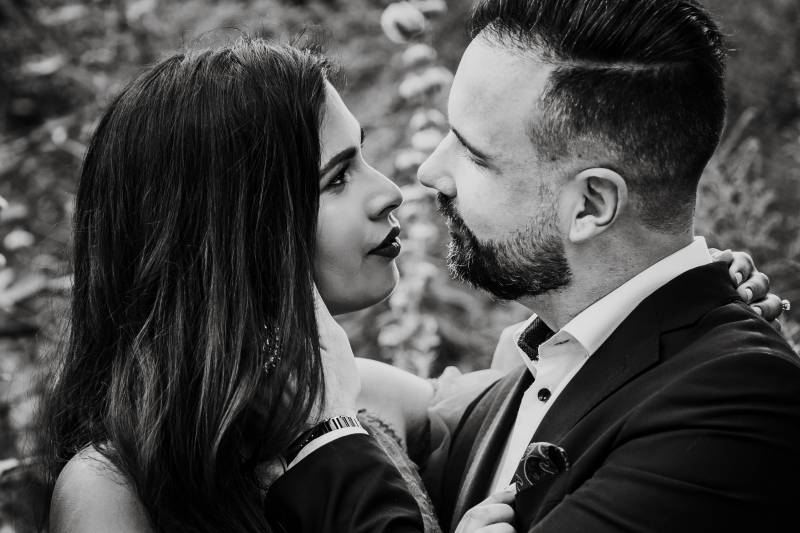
390,246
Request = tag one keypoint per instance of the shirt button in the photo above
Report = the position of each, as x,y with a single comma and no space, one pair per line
544,395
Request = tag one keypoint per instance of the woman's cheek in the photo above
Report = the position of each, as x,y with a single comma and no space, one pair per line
336,251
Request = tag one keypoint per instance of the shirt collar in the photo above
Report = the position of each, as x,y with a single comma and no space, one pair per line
592,326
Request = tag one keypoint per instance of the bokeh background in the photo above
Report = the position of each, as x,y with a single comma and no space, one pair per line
61,61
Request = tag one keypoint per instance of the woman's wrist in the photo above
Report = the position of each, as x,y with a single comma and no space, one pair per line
340,425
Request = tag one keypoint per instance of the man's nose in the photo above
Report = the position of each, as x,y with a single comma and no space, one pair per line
433,174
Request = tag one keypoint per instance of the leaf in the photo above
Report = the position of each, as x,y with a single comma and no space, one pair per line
401,22
418,55
23,289
17,239
139,9
7,276
44,66
426,140
13,212
62,15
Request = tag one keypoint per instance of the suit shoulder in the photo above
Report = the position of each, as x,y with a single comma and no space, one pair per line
734,331
731,355
91,494
745,362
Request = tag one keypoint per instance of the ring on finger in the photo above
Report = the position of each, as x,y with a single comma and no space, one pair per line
786,305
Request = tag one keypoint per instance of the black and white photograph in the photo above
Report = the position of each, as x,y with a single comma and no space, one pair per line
417,266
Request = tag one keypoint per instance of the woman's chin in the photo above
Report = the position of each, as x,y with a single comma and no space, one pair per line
363,297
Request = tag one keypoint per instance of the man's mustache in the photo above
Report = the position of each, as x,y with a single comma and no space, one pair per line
444,204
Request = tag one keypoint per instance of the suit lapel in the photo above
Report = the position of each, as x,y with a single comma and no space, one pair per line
486,441
634,345
632,349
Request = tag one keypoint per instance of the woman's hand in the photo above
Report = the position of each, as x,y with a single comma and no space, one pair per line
342,380
752,285
492,515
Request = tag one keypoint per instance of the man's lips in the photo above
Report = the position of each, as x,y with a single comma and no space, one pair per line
390,246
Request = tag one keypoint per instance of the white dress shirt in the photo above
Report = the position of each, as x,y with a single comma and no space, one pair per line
563,355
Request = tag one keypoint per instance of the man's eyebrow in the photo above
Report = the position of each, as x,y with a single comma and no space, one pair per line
344,155
477,153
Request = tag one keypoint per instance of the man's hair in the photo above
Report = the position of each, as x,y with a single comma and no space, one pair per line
642,80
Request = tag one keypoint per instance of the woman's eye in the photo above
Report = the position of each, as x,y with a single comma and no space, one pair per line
339,179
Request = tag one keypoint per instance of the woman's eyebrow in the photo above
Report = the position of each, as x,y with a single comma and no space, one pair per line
344,155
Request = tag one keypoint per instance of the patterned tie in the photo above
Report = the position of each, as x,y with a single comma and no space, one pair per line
540,460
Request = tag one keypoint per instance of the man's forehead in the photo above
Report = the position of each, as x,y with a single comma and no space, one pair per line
495,91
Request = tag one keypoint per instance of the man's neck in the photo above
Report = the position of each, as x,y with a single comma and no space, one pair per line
594,278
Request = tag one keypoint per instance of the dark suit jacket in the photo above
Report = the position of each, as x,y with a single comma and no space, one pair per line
686,419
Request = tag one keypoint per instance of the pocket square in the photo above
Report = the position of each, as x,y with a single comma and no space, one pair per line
541,459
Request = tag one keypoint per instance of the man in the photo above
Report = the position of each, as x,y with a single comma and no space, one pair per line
661,401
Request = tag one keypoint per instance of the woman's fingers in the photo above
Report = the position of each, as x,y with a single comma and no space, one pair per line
768,307
498,528
332,337
754,288
506,496
752,285
740,264
741,267
326,325
342,381
726,256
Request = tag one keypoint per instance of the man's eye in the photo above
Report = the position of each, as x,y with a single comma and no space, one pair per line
480,162
475,160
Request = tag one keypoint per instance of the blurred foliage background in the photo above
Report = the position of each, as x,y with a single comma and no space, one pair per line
61,61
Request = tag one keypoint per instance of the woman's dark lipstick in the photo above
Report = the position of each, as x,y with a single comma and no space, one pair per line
390,246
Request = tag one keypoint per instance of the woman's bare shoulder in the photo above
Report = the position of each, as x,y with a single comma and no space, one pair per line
92,495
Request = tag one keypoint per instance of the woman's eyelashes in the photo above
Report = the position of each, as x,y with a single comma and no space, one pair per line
340,179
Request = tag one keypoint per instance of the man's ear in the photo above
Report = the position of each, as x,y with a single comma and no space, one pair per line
601,194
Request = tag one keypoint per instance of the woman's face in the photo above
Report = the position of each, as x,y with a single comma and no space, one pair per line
357,232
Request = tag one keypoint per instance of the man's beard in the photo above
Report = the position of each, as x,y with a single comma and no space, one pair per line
529,263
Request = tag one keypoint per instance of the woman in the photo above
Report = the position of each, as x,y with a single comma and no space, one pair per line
202,221
219,187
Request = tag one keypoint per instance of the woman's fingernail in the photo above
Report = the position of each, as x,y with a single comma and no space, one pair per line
738,278
749,292
758,311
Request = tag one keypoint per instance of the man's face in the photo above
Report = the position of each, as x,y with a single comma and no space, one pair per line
499,197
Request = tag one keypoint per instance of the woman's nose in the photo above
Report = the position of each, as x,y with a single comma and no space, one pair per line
386,197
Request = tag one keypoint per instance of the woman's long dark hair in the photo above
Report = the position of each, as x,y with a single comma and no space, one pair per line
193,246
